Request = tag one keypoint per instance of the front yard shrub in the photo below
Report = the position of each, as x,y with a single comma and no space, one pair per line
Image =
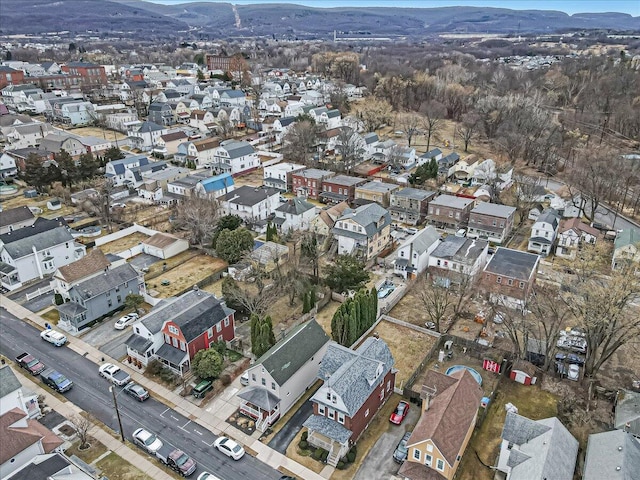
325,455
303,444
351,456
317,453
154,367
304,435
341,465
225,379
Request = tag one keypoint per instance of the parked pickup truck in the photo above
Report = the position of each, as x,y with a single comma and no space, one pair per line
176,460
114,374
31,363
56,380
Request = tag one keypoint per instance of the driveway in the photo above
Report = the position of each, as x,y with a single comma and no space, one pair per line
106,338
35,304
283,438
379,461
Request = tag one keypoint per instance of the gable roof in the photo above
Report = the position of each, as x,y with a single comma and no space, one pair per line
451,413
368,216
15,215
95,261
512,263
460,249
352,374
627,414
542,448
237,149
107,281
613,455
161,240
202,312
577,225
550,216
50,466
149,126
295,206
287,356
9,383
39,241
249,196
16,439
628,236
424,239
170,137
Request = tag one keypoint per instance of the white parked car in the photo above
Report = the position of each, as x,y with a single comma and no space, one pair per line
124,322
229,448
147,441
51,336
207,476
244,379
574,372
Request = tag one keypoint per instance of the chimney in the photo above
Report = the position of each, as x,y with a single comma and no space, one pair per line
427,393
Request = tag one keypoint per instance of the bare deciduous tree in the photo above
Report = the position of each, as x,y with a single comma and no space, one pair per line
432,121
409,123
300,142
467,128
374,113
82,424
198,216
437,300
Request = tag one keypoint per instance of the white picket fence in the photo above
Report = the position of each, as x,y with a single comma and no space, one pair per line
38,292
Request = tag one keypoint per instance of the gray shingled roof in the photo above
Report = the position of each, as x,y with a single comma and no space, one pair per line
15,215
451,201
628,411
238,149
39,226
171,354
613,455
380,187
249,196
107,281
329,428
260,397
551,449
41,241
352,374
460,249
512,263
413,193
8,381
424,239
295,206
368,217
286,357
493,209
138,343
549,216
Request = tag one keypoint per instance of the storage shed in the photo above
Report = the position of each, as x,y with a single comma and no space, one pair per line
164,245
523,372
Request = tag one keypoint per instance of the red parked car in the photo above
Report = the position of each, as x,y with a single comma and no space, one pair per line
399,413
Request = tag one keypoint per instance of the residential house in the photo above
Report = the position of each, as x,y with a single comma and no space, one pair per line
308,183
356,385
509,277
464,169
25,135
535,212
122,121
626,250
10,76
365,231
627,412
202,152
544,232
250,203
490,221
167,144
179,327
202,120
116,170
340,188
186,186
56,142
92,264
435,154
371,140
447,165
281,127
383,151
536,449
234,157
15,95
280,175
164,245
571,235
458,260
146,135
322,225
449,412
379,192
29,253
22,437
294,214
613,455
8,168
402,158
133,177
312,97
283,374
216,186
99,295
71,111
410,205
92,75
15,218
94,145
449,211
293,108
232,98
412,258
161,114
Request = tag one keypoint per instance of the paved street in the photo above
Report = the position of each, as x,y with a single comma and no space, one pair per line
91,393
379,461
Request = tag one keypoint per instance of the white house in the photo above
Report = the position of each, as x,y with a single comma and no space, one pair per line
293,108
412,258
116,170
232,98
26,135
279,175
457,258
281,127
544,232
34,252
235,157
295,214
146,135
626,249
571,235
364,231
251,203
7,166
281,376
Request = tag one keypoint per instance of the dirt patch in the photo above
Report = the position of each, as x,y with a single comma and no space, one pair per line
185,275
110,135
115,467
410,309
407,346
123,243
252,179
90,454
324,316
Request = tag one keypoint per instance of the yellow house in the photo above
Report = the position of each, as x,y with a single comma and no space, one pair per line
449,411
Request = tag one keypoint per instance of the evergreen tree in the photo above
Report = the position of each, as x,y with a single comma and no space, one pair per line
88,167
305,303
67,166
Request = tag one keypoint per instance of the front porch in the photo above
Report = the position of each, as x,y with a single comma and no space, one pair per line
329,435
173,358
261,405
9,278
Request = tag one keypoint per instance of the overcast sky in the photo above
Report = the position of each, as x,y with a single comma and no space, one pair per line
569,6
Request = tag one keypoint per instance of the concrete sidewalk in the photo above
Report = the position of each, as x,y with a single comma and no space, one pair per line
213,417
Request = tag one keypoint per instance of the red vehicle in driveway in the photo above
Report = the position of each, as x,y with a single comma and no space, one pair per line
399,413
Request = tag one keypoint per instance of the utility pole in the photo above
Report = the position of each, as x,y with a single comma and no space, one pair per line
115,403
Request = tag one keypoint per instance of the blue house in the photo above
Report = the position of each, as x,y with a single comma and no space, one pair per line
216,186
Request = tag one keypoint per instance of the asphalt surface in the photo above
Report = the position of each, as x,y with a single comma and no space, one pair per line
107,339
91,393
379,461
283,438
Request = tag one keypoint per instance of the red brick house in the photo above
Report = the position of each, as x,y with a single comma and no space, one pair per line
10,76
308,183
341,188
178,328
356,385
91,74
